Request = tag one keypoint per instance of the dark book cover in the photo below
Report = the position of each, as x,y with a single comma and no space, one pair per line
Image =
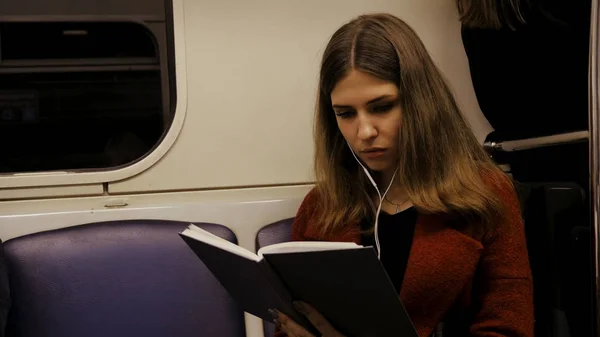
349,287
253,285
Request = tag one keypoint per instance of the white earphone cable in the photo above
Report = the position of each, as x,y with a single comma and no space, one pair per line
380,200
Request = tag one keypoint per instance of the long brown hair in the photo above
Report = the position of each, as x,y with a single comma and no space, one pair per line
491,14
441,161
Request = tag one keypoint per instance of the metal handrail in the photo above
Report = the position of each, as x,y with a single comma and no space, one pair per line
594,153
537,142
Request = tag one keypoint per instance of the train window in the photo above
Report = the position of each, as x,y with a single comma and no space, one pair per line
77,95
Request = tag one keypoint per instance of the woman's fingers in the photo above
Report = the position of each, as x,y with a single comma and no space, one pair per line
316,319
290,327
293,329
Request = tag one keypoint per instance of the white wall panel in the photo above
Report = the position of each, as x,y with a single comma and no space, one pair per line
48,192
251,77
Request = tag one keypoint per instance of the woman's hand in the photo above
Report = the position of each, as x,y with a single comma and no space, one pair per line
293,329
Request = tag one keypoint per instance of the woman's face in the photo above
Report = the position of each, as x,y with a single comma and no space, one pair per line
368,114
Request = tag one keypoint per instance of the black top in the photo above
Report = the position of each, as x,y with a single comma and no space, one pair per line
395,240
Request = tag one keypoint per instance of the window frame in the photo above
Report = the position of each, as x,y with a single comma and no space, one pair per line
178,81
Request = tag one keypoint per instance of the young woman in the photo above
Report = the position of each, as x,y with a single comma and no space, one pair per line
398,168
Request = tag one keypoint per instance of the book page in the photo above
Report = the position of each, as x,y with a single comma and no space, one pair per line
200,234
306,246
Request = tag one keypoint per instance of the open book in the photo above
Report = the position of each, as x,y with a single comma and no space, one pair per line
344,281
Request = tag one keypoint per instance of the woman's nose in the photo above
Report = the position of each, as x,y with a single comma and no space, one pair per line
366,129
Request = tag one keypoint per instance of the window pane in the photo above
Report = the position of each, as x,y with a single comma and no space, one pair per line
79,95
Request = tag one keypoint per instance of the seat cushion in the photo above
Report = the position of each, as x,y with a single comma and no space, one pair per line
120,278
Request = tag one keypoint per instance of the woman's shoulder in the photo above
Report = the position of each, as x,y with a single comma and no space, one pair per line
504,188
500,184
310,203
312,196
308,225
305,214
498,209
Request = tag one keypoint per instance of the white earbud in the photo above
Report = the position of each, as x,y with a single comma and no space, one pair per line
380,198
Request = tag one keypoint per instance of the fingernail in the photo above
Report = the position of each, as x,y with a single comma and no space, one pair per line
277,323
298,306
274,313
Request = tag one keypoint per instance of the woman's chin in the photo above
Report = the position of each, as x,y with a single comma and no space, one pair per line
378,167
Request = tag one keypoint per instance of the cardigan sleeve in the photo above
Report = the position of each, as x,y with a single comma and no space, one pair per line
503,289
301,221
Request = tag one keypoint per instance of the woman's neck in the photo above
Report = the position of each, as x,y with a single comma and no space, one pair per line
385,177
396,193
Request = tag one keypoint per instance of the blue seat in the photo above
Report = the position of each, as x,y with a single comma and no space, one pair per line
120,278
277,232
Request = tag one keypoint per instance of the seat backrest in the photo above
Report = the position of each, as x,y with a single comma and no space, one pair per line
277,232
554,224
121,278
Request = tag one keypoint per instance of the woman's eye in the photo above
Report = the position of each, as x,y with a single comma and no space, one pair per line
343,114
383,108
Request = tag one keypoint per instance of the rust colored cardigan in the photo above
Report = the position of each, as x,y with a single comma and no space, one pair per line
490,280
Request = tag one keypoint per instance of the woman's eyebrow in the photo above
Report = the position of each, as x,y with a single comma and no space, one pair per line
374,100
